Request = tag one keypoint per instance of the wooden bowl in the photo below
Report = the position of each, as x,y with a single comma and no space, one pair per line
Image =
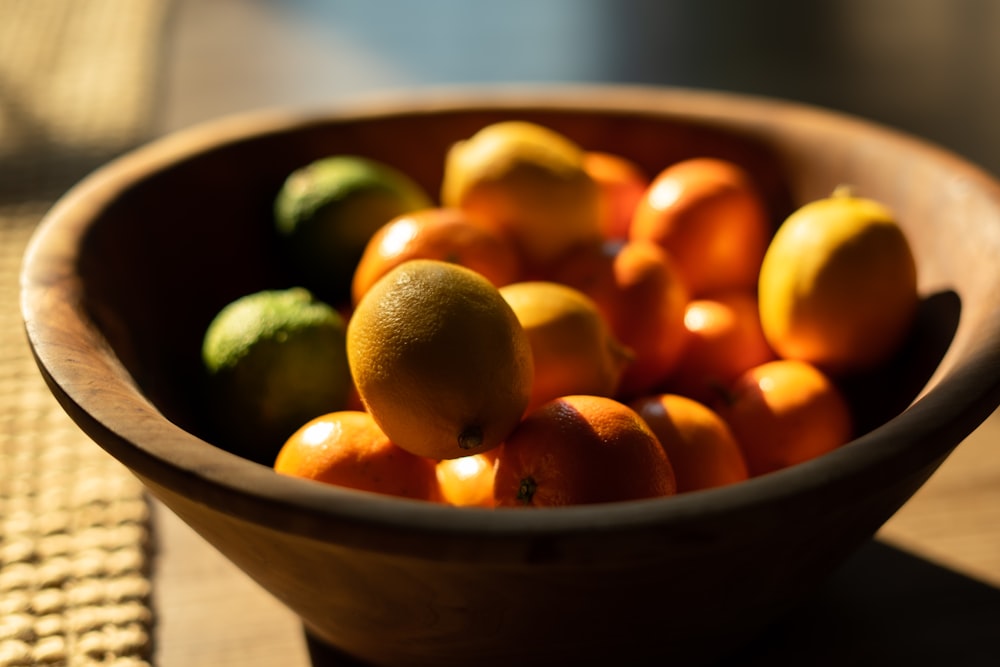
126,271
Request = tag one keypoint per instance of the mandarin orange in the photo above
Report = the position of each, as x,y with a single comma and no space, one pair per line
708,214
622,184
468,480
785,412
724,340
578,450
436,233
637,288
698,442
347,448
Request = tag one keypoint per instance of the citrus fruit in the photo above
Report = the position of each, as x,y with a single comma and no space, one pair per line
578,450
468,480
527,181
436,233
838,286
347,448
327,210
785,412
641,296
439,359
707,213
724,340
702,449
274,360
573,349
621,183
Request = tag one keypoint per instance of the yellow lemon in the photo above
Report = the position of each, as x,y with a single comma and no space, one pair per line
439,359
572,346
526,181
838,285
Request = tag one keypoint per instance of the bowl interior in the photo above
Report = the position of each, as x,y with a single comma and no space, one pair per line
148,249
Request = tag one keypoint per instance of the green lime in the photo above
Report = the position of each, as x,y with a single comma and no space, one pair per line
274,360
327,210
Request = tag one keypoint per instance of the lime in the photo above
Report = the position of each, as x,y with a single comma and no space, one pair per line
274,360
327,210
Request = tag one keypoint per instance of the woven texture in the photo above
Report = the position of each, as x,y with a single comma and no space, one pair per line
76,88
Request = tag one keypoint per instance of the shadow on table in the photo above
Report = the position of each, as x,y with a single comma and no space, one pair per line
884,606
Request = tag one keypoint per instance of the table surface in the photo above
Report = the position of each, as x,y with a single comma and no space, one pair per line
927,589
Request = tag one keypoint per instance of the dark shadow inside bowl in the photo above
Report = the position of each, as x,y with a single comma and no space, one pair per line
181,242
881,394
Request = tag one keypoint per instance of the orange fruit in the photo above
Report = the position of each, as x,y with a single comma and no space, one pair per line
638,290
581,449
622,184
467,481
573,349
525,181
439,359
708,214
436,233
701,447
724,340
838,286
785,412
347,448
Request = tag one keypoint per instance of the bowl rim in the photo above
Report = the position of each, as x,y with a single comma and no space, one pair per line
162,453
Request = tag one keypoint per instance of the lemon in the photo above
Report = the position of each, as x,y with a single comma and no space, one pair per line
326,212
573,349
439,359
274,360
838,285
526,181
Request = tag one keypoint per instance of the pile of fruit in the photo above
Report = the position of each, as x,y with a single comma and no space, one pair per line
556,327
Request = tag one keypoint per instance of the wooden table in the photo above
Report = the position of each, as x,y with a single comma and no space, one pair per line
926,592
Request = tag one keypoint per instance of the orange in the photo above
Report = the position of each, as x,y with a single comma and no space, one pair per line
468,480
724,340
573,349
785,412
638,290
708,214
578,450
699,444
439,359
838,286
348,449
622,184
436,233
526,181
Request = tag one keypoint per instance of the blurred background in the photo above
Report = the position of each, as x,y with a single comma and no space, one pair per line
89,574
930,67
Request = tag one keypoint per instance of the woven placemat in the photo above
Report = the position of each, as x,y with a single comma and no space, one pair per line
77,80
